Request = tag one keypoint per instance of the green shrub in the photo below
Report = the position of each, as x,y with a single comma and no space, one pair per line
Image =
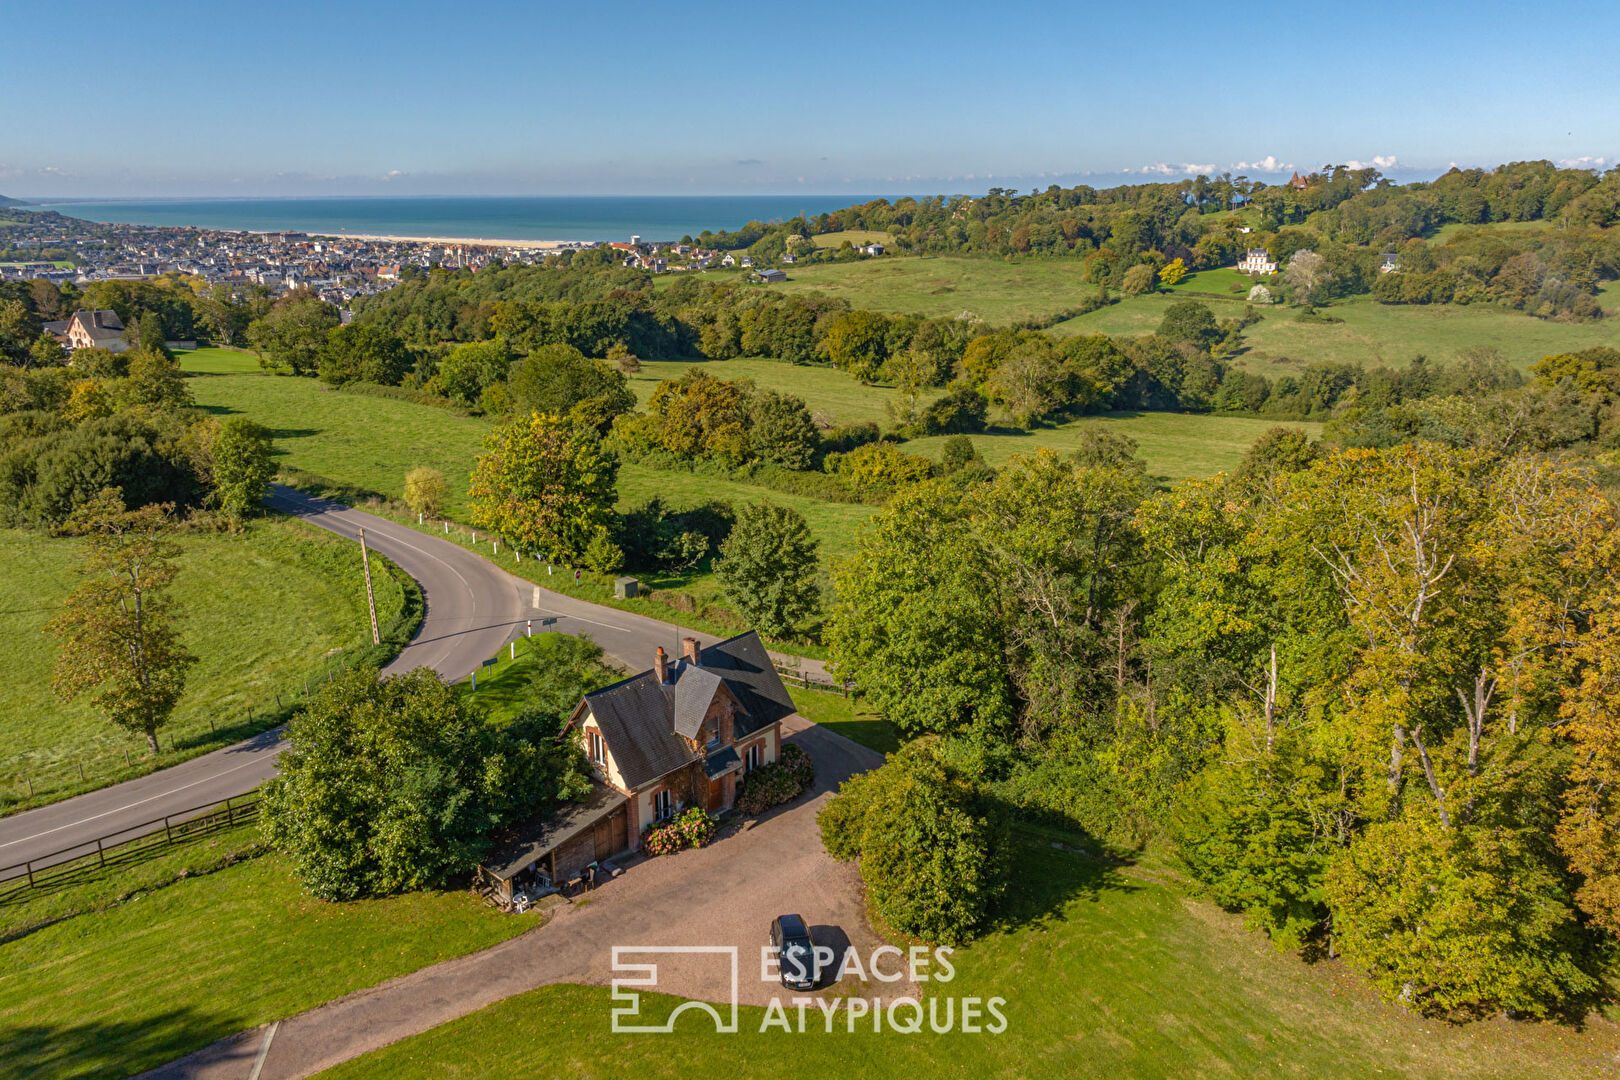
776,783
691,828
930,846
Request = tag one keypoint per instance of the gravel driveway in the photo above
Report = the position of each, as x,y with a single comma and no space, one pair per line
721,895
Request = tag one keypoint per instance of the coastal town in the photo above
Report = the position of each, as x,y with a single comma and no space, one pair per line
66,250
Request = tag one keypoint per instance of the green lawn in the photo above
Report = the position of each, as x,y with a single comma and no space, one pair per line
845,716
169,971
365,441
1371,333
825,389
1175,445
1220,281
1107,971
261,610
997,292
858,237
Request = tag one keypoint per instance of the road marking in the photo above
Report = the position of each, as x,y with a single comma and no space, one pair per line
264,1050
138,802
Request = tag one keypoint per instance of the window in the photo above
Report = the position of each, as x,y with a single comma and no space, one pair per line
755,757
598,751
663,806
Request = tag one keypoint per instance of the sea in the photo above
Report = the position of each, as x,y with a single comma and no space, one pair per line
540,217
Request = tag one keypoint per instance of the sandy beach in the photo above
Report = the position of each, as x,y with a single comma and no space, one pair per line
456,241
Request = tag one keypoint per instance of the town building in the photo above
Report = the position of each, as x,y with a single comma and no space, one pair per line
96,330
1257,261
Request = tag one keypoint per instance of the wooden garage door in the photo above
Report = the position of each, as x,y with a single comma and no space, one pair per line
612,834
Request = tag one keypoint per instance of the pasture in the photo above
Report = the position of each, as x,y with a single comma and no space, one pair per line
261,610
1000,293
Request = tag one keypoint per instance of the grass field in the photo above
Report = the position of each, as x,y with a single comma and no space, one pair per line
1371,333
169,971
997,292
827,390
1106,970
260,610
1219,281
1175,445
858,237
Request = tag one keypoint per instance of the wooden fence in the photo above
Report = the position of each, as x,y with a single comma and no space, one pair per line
127,846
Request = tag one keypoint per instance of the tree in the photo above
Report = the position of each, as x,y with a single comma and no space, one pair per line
1031,382
1459,920
623,359
292,334
1308,275
780,430
19,329
1173,272
242,462
154,379
560,379
1138,280
1190,322
117,630
426,491
857,341
910,371
361,352
396,784
931,849
545,485
768,568
472,368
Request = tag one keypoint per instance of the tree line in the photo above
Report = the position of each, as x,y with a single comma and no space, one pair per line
1365,692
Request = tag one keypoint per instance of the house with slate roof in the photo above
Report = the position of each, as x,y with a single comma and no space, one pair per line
683,733
96,330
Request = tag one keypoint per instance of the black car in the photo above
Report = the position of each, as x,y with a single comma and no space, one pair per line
795,952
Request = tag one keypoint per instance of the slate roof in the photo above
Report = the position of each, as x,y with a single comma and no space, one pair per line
722,761
695,688
637,720
100,325
747,670
642,720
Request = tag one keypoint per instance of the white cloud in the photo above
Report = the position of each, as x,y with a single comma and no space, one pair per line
1267,164
1586,161
1379,161
1160,168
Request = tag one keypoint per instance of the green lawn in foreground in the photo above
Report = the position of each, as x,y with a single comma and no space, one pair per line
1372,333
1107,972
168,972
1175,445
939,285
260,610
1218,281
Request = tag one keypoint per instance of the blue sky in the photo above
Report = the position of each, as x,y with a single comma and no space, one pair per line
698,97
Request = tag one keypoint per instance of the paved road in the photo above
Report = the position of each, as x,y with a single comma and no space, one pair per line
473,609
720,895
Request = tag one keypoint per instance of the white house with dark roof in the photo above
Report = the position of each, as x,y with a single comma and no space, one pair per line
682,733
96,330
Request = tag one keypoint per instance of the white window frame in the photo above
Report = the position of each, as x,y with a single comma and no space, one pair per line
663,802
596,748
753,757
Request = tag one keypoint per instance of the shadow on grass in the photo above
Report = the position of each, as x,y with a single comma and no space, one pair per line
108,1047
1051,868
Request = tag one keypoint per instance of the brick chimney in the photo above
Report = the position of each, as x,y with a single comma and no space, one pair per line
691,651
661,664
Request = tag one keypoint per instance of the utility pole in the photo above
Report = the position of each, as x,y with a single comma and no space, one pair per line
371,598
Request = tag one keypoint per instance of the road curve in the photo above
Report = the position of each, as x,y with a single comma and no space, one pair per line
473,608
